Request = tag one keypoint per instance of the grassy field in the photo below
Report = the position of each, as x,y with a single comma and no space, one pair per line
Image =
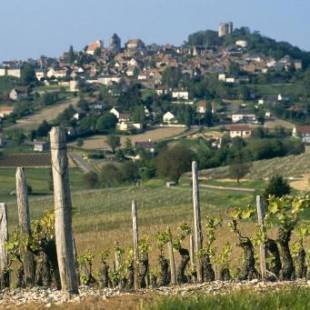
38,178
99,141
283,299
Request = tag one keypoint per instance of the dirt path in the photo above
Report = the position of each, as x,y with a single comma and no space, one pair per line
80,162
48,114
303,184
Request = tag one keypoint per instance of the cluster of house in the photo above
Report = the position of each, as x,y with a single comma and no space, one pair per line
147,62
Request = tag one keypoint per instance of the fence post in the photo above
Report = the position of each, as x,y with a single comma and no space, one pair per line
63,212
135,240
172,260
3,240
24,223
262,249
197,220
191,251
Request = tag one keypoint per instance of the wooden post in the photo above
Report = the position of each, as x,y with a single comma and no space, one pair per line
262,249
172,260
191,251
63,210
135,240
3,238
24,224
197,220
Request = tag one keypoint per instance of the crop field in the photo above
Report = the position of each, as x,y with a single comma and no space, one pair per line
99,141
48,114
25,160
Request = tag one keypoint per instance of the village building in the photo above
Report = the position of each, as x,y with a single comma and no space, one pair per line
302,132
180,94
93,47
247,118
6,111
18,93
40,146
242,131
169,118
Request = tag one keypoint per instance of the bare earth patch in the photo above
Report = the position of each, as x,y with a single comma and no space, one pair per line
99,141
303,184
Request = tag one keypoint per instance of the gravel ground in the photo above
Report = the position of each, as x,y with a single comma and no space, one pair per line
45,298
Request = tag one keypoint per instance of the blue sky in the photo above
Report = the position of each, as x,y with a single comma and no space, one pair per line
30,28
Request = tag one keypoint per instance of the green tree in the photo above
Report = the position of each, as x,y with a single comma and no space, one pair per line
172,162
28,74
277,186
106,122
43,129
71,55
114,142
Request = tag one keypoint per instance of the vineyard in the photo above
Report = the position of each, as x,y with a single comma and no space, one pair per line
25,160
267,242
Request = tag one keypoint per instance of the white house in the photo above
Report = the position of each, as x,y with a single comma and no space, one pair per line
17,94
115,112
241,43
180,95
40,74
15,72
236,118
302,132
242,131
59,73
169,118
40,146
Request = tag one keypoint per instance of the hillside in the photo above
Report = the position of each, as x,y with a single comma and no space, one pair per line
294,166
257,43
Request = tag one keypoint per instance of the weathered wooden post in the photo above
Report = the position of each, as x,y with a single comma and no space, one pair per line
192,251
197,220
24,224
135,240
172,260
262,249
4,275
63,212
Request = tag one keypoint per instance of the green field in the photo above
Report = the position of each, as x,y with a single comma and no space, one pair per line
38,178
298,298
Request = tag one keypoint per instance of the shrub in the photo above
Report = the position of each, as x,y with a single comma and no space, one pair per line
91,179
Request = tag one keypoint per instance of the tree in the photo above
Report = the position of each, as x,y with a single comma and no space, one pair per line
106,122
43,129
71,55
114,142
28,74
172,162
239,168
277,186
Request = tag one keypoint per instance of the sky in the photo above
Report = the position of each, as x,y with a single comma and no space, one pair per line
30,28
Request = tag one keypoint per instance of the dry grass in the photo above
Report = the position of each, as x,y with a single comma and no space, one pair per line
48,114
99,141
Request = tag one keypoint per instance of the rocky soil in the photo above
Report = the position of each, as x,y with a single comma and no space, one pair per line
39,298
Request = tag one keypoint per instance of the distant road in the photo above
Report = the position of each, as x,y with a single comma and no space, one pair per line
228,188
80,162
48,114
